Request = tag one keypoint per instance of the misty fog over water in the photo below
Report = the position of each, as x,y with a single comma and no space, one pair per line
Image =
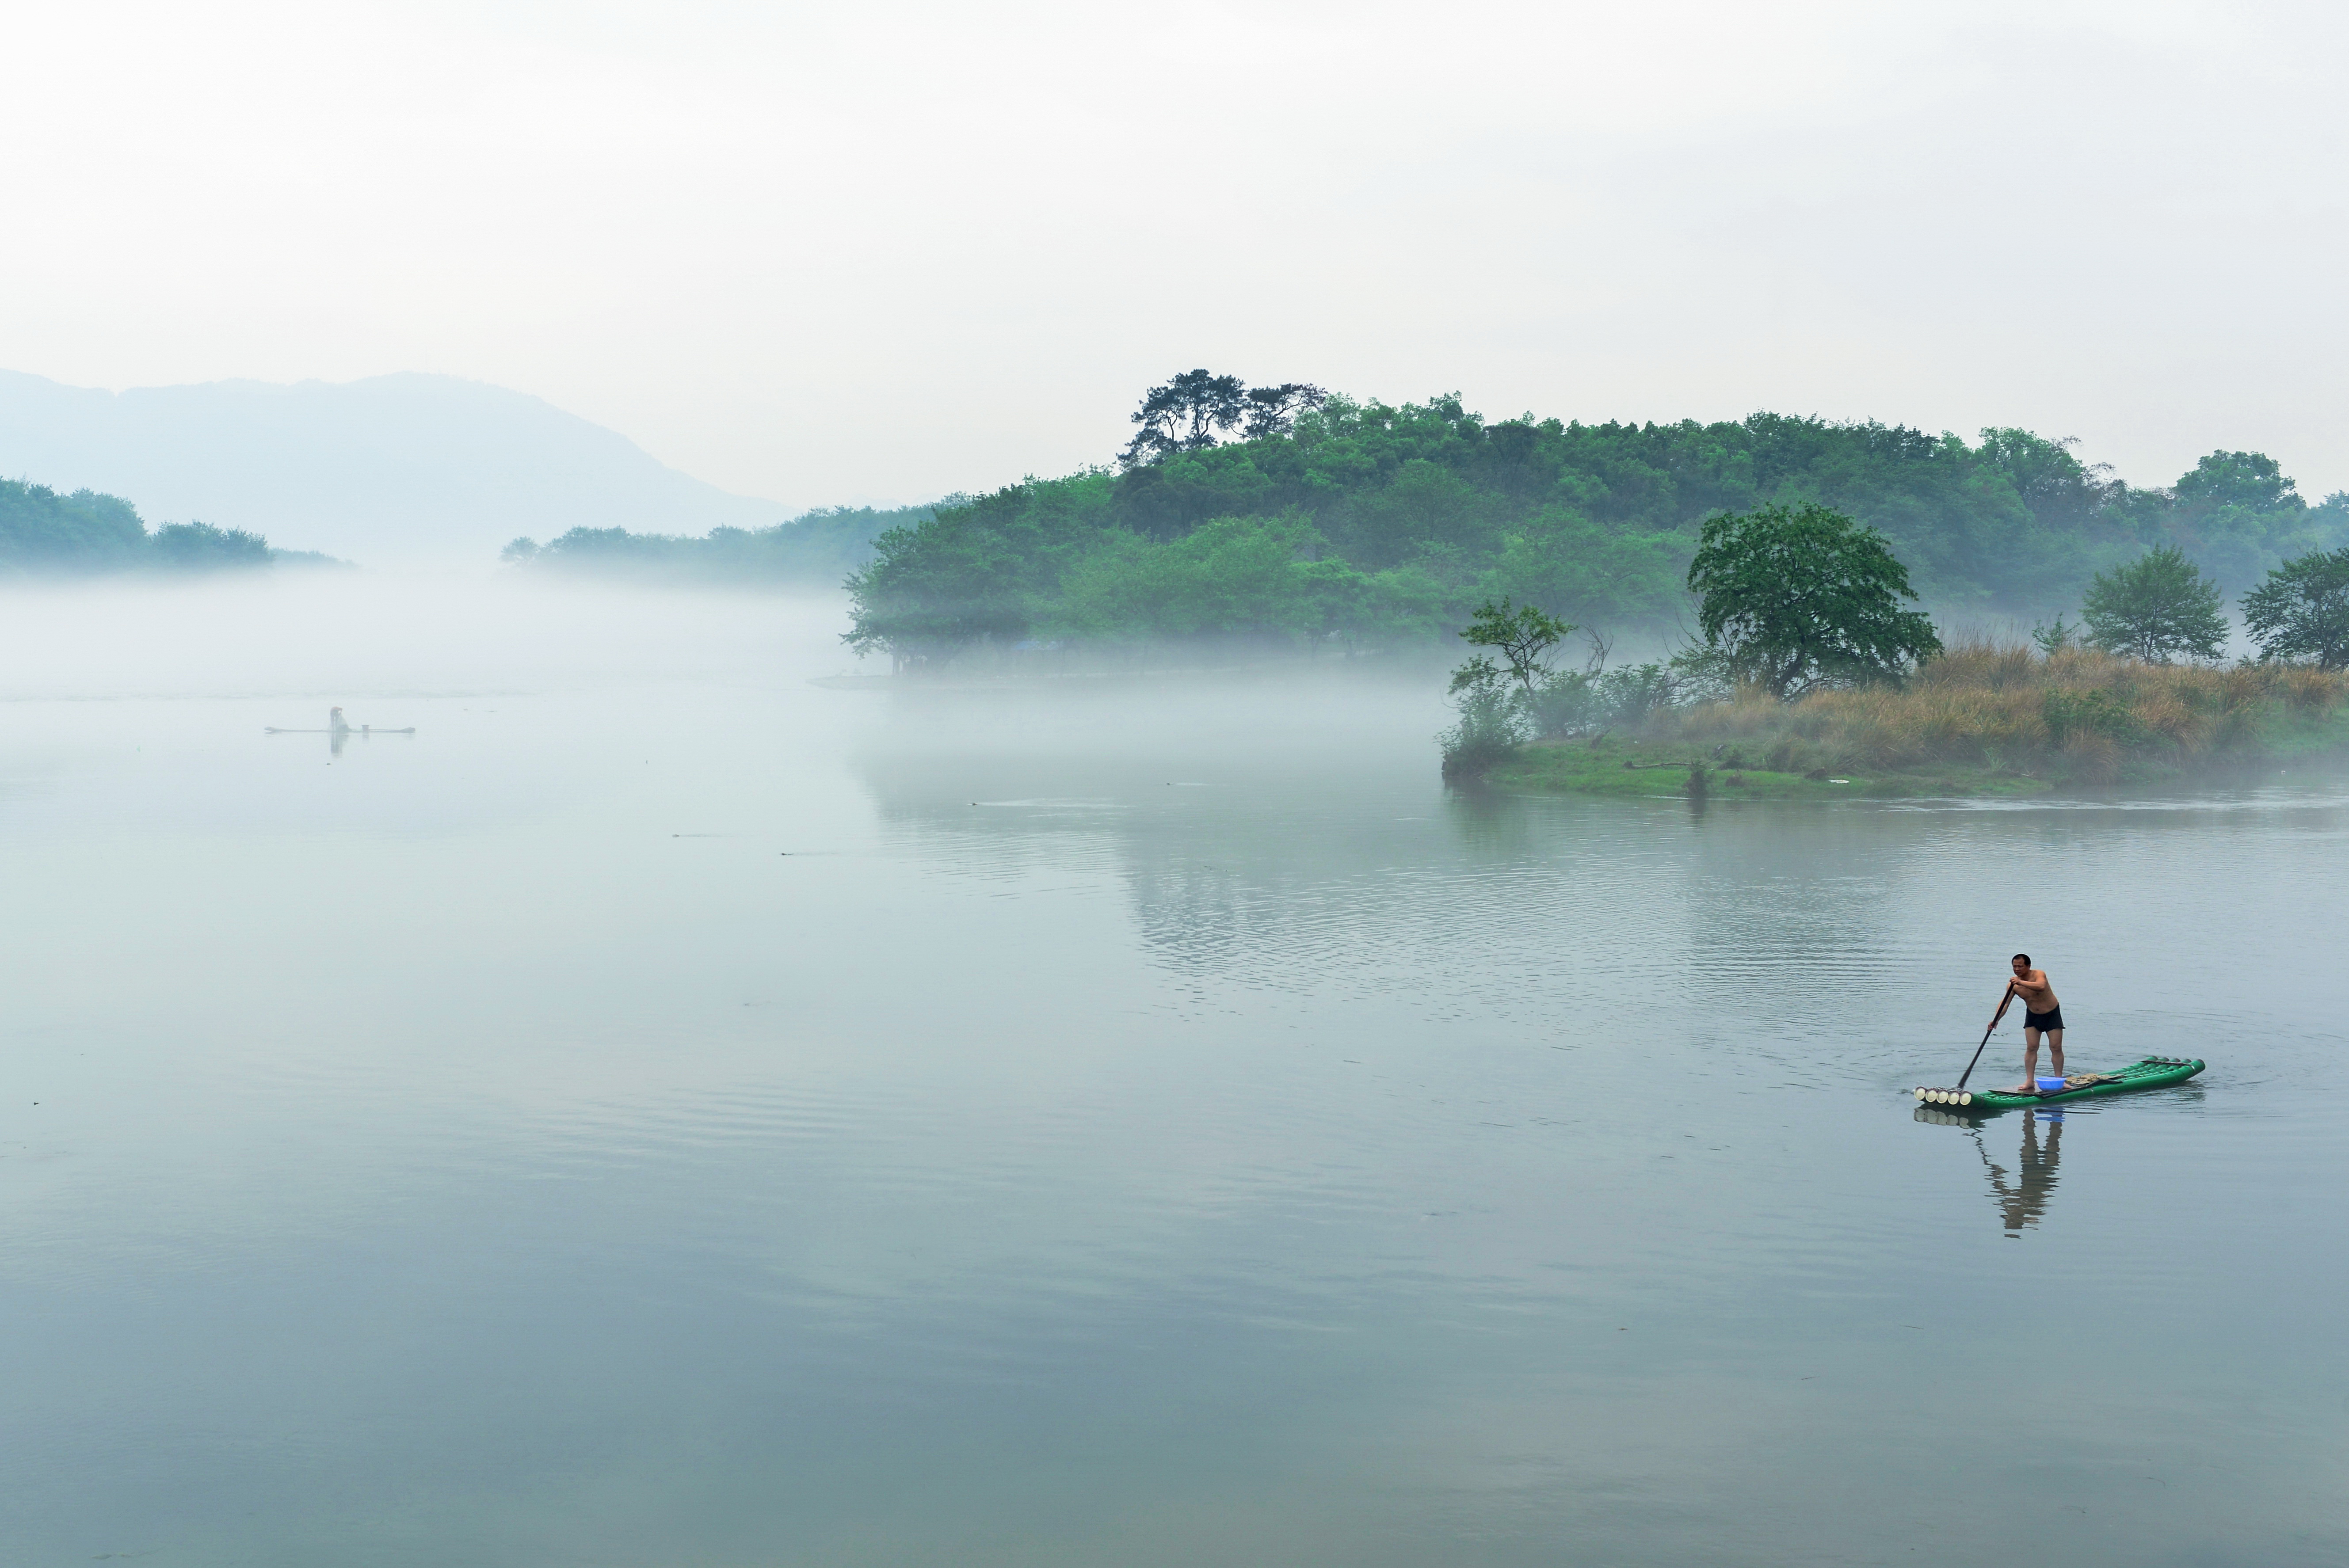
666,1111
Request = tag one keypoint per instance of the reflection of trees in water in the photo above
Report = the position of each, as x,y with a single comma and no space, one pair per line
2022,1200
1204,919
1487,822
1464,887
1283,879
1804,939
1295,879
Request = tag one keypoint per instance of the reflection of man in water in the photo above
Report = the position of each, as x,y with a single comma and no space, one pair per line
2024,1202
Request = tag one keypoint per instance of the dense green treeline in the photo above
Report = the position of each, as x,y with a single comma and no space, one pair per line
820,547
43,531
1362,524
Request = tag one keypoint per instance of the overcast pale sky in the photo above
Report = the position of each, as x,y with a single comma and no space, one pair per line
886,251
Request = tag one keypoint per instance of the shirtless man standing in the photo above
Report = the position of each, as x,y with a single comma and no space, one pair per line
2041,1012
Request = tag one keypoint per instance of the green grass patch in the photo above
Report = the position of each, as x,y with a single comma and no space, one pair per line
2298,735
2270,736
1614,767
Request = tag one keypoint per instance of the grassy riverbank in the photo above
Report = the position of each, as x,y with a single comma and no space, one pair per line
1646,767
1982,720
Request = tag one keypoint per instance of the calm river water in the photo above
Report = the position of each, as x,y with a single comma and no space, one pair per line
666,1112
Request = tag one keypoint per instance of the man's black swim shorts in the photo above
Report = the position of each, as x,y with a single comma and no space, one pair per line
2050,1019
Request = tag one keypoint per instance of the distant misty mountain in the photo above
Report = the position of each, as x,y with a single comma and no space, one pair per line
394,469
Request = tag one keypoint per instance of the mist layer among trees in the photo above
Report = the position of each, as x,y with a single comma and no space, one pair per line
818,549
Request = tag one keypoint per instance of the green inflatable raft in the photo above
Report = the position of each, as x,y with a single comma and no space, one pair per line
2152,1072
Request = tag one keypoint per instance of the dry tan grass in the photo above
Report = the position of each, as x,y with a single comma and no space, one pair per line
1986,703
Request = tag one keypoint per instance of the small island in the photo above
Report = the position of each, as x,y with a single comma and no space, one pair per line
1813,680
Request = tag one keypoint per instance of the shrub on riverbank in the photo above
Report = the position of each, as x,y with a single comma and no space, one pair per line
2077,715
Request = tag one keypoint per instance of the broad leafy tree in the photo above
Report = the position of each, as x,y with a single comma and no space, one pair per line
1273,411
1198,409
1796,598
1523,635
2302,611
2061,491
2156,608
2253,480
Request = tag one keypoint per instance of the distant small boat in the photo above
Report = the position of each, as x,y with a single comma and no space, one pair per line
336,726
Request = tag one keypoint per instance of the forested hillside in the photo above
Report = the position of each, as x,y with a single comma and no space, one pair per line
1360,524
818,549
42,532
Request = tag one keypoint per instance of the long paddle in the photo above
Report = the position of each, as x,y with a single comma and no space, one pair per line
2003,1004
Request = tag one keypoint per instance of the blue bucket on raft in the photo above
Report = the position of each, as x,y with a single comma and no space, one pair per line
2051,1086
